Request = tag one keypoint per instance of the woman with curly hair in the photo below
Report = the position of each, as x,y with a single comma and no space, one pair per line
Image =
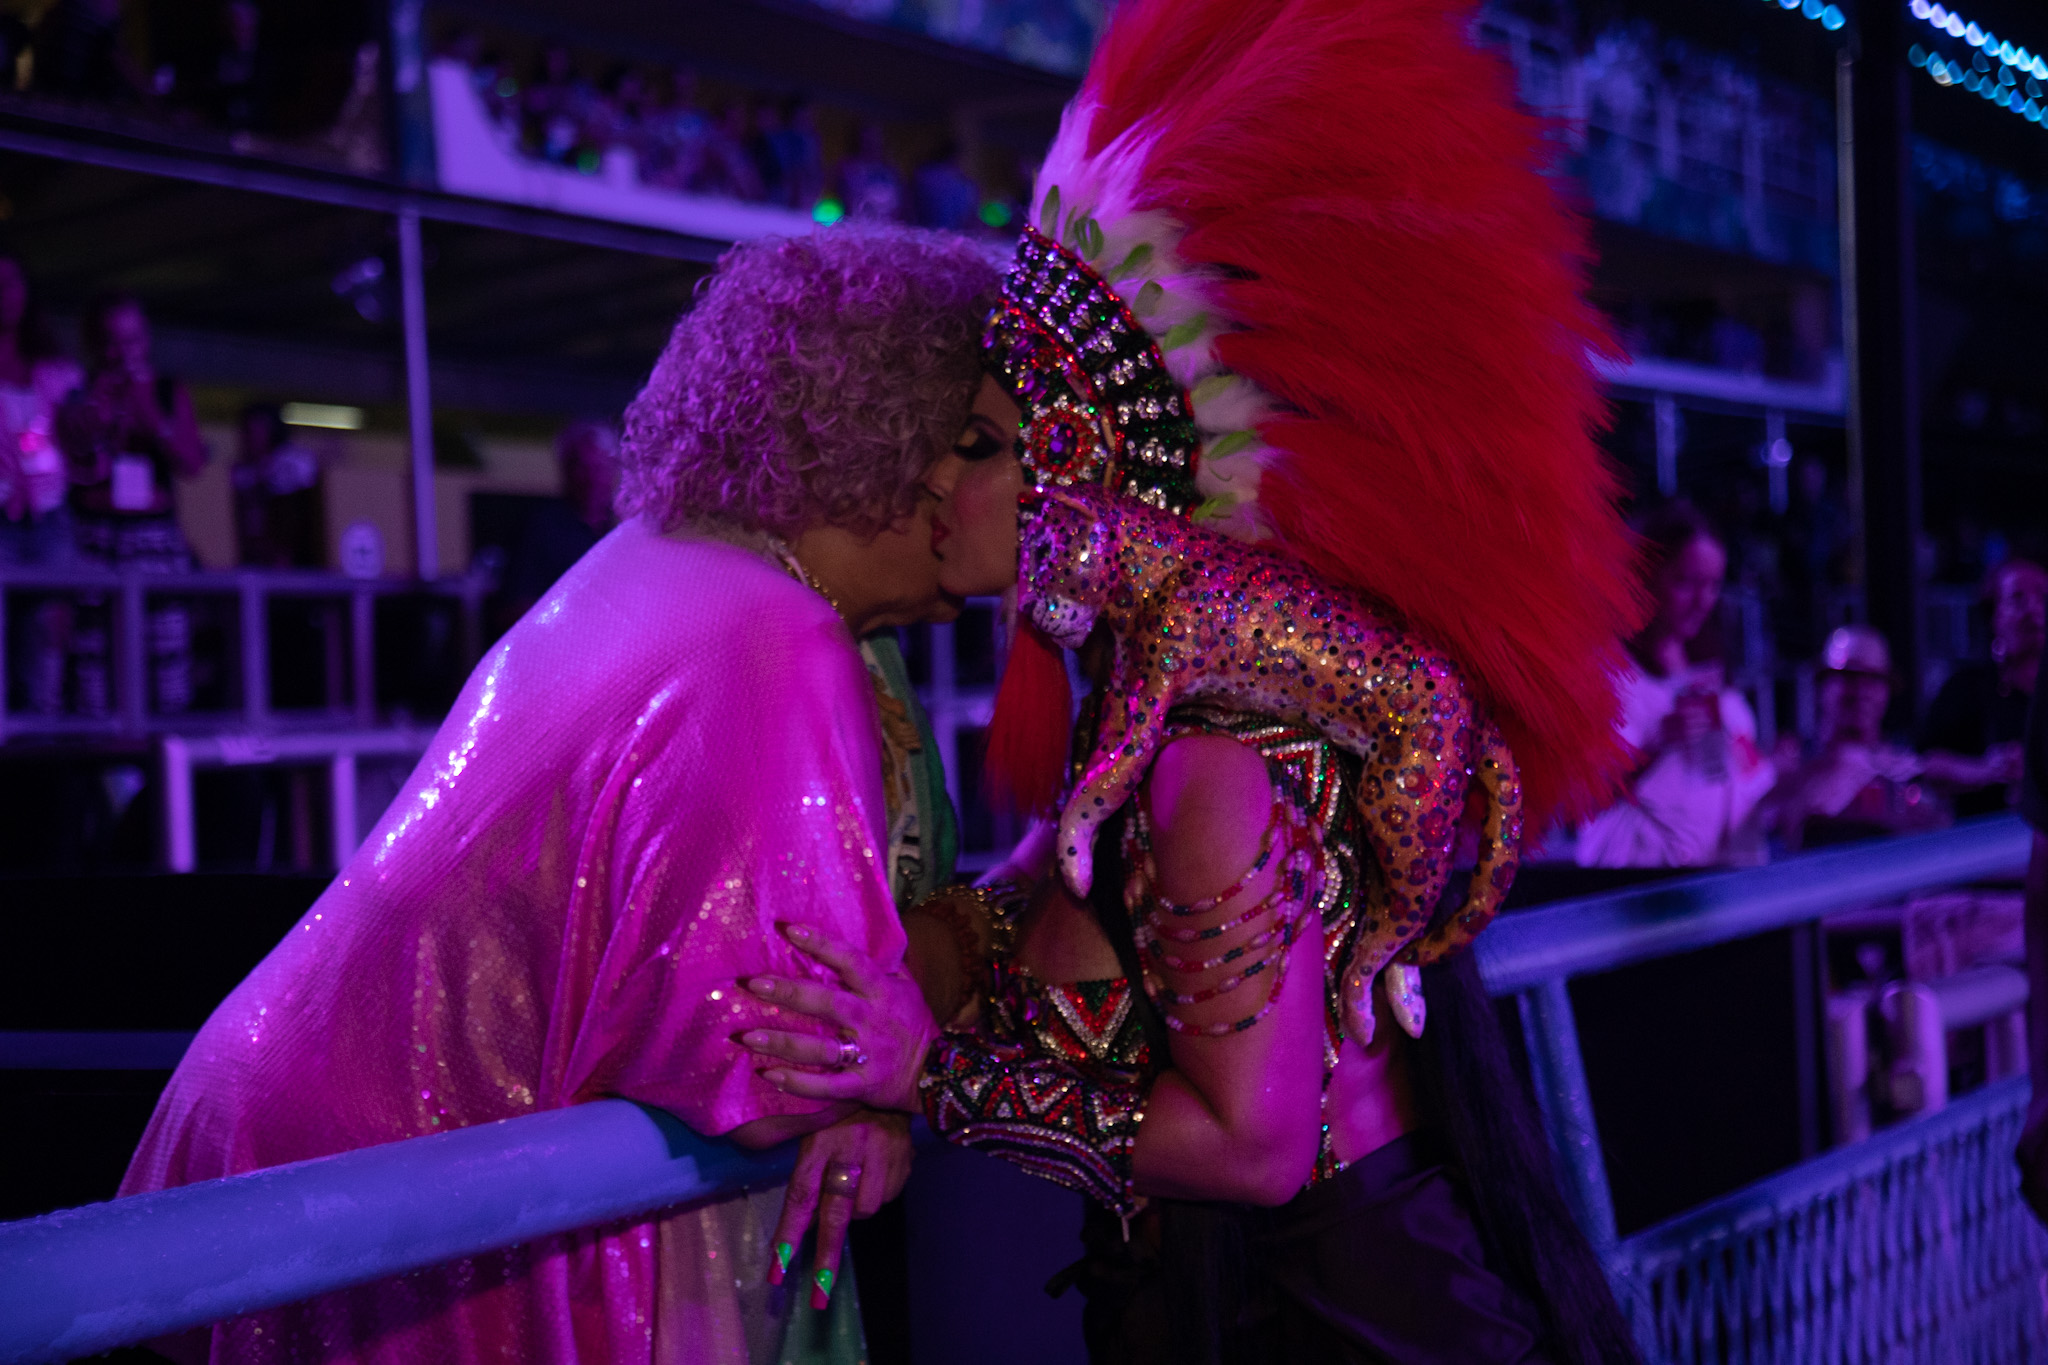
671,753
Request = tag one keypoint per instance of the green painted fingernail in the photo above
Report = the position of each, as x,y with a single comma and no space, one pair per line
824,1281
784,1254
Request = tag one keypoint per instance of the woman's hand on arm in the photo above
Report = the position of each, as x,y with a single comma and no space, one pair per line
1238,1115
879,1010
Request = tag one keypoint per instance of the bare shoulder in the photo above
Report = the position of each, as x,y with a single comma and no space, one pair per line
1210,800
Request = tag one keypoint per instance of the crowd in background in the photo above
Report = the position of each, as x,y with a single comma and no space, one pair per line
664,129
295,81
91,452
1706,792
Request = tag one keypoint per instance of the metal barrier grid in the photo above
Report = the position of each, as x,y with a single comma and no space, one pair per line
1910,1245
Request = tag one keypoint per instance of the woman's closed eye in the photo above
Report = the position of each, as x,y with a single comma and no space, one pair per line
979,443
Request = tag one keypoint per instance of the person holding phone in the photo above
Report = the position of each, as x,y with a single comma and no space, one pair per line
1694,798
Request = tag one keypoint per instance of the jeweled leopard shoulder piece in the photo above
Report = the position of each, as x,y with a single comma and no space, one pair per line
1197,615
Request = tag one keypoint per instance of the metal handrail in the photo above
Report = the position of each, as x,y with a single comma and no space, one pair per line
1534,954
129,591
85,1280
337,751
1601,933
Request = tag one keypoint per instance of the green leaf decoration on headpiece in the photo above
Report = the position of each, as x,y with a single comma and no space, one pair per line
1210,387
1088,238
1222,505
1049,214
1181,333
1230,444
1140,257
1147,298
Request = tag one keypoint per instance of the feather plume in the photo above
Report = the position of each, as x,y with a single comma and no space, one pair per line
1373,293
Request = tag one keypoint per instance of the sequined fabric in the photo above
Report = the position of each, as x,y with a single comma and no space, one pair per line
673,752
1197,616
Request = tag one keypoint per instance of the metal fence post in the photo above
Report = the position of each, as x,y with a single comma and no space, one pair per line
181,844
341,797
131,653
362,644
412,289
1559,1075
255,606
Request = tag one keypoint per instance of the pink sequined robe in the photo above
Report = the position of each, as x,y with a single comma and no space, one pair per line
674,751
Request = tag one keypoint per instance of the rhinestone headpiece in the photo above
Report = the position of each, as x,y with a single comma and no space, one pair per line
1100,405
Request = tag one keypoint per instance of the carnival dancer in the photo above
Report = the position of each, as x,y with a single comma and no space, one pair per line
1292,376
676,749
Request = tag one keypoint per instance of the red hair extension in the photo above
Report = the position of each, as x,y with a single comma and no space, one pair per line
1028,736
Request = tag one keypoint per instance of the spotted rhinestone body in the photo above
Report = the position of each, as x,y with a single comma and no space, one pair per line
1199,617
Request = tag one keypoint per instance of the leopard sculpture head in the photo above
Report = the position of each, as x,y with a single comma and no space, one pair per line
1067,566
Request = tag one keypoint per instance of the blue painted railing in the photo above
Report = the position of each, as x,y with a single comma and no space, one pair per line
84,1280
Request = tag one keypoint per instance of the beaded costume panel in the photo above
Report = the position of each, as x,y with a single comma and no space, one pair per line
1054,1077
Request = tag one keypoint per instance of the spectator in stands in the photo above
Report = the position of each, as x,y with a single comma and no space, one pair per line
559,531
725,164
1973,732
15,39
128,434
619,117
280,519
35,523
946,196
869,184
1854,785
1694,798
675,133
801,155
78,53
555,107
239,88
787,155
2033,1145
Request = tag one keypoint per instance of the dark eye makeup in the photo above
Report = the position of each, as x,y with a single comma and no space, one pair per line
979,444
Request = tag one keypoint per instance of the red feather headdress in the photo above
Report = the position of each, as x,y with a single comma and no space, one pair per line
1334,225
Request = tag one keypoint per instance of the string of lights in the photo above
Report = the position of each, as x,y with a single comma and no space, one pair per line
1996,71
1828,16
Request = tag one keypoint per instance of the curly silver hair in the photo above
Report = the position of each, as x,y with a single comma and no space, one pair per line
815,380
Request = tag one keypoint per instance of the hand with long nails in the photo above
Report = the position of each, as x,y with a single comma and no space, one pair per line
844,1172
883,1029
